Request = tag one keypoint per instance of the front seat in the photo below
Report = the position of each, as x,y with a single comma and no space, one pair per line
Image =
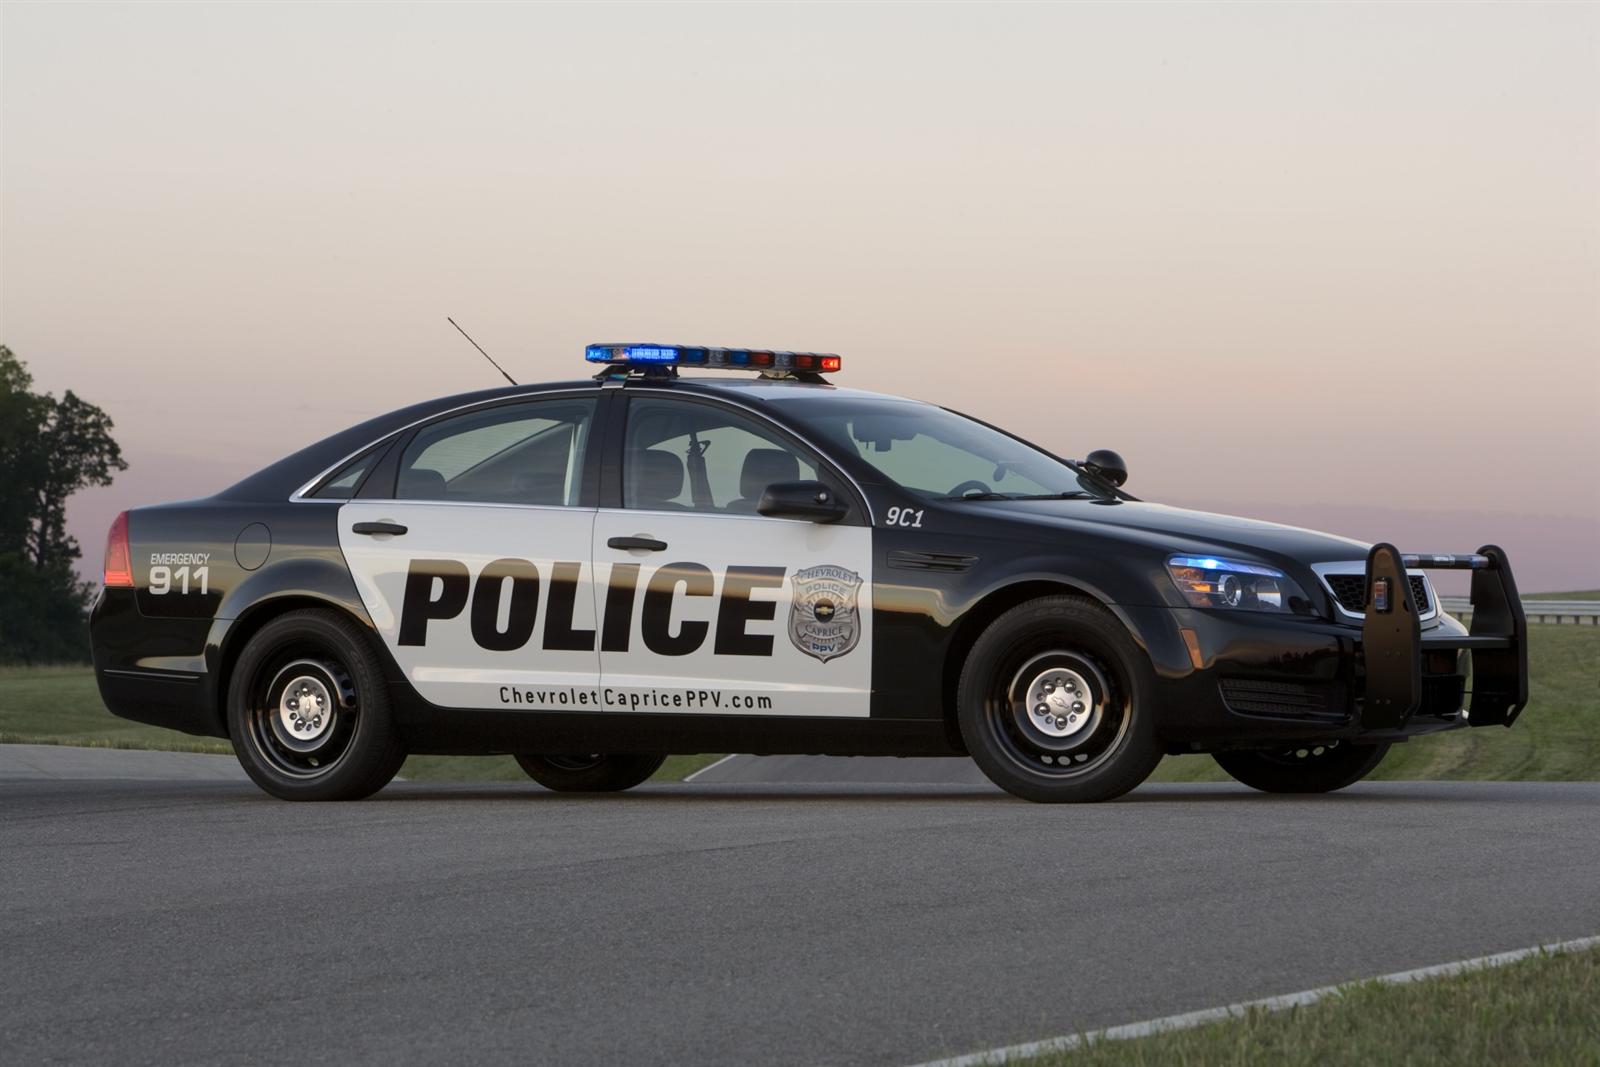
762,467
657,479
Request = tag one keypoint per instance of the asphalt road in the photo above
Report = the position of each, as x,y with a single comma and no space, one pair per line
842,770
146,921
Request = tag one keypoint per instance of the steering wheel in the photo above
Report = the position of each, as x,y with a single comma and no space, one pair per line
969,484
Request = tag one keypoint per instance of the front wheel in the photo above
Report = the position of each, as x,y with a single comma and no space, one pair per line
598,773
308,711
1054,703
1316,767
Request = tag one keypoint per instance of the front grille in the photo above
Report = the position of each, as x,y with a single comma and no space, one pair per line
1287,700
1351,591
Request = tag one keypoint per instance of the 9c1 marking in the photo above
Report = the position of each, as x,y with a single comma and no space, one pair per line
908,517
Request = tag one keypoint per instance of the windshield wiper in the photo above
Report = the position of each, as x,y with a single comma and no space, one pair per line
981,496
1069,494
1084,471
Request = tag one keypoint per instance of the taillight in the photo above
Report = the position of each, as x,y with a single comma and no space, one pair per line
119,564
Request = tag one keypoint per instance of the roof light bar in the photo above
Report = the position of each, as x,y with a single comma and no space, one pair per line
715,358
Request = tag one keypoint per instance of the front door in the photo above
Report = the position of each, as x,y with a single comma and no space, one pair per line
710,608
478,573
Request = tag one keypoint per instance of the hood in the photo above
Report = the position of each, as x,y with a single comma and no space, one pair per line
1181,530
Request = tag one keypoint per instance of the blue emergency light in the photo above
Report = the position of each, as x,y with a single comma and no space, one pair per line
650,355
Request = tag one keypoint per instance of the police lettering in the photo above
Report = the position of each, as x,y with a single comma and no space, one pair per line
438,590
656,621
522,613
435,589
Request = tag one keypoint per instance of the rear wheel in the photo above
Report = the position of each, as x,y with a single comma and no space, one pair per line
1054,703
1317,767
599,773
308,711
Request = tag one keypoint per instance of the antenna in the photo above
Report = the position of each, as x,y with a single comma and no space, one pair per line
479,347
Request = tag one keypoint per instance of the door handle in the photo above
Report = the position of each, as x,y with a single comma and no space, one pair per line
648,544
378,528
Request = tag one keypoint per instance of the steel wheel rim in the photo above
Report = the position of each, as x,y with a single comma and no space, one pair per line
1085,724
284,726
305,711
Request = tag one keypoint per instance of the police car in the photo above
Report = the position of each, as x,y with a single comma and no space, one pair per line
594,574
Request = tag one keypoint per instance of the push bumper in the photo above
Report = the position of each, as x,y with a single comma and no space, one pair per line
1393,645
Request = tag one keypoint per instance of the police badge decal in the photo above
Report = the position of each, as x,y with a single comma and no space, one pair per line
823,619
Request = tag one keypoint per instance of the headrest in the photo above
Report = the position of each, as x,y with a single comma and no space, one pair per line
421,483
657,476
762,467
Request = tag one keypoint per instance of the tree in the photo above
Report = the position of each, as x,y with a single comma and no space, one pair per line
49,449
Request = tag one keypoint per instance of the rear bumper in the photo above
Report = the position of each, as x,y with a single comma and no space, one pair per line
155,671
158,698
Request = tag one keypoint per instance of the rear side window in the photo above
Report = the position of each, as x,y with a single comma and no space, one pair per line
343,484
515,454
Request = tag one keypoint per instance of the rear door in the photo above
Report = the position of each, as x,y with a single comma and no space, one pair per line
477,570
709,607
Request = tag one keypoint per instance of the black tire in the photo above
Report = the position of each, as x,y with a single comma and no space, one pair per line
1068,648
610,773
1315,767
325,657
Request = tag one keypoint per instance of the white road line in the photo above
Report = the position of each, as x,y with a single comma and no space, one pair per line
1211,1015
708,766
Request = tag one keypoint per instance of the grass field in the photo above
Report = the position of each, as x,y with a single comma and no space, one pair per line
1557,739
1538,1010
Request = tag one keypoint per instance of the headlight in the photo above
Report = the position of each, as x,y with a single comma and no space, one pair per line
1211,582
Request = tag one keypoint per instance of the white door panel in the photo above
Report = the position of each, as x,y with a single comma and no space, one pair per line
482,605
740,614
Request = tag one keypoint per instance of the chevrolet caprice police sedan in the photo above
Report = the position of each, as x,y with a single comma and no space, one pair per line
594,574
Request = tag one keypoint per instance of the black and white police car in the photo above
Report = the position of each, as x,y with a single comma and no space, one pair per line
594,574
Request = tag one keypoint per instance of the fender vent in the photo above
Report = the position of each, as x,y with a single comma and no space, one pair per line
929,561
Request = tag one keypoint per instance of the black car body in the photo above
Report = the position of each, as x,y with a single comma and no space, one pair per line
595,587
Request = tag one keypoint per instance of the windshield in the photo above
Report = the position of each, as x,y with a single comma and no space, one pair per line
938,454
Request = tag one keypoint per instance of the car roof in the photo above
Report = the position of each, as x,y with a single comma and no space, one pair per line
290,473
780,390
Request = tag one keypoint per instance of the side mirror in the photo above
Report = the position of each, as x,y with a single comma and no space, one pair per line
802,500
1106,464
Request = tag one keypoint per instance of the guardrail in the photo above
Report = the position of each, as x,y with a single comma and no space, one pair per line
1570,612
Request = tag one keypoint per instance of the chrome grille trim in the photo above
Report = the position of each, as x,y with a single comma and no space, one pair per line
1358,568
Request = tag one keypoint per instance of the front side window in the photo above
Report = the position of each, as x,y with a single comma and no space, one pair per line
681,456
529,453
936,453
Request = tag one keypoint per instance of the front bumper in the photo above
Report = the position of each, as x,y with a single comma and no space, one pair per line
1394,646
1249,680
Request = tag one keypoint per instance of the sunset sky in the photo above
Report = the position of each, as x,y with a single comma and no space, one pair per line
1337,265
